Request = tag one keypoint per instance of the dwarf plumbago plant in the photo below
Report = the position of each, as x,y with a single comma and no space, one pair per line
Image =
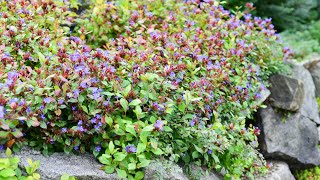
178,82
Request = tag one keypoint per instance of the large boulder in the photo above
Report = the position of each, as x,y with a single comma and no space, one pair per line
291,137
309,106
278,171
286,92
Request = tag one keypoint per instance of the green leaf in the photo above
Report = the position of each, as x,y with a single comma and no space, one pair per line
7,173
108,120
139,175
17,133
198,149
182,107
105,159
141,147
157,151
121,173
167,129
143,163
42,59
148,128
216,159
169,110
131,130
131,166
8,152
81,98
135,102
119,156
3,134
109,169
124,104
127,90
111,146
85,109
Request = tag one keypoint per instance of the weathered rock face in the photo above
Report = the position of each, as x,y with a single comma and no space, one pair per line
198,173
309,106
279,171
315,73
286,93
291,137
85,167
164,170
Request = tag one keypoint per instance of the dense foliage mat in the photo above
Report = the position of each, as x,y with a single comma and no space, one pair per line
134,80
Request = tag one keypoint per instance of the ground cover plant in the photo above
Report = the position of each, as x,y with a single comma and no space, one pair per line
136,81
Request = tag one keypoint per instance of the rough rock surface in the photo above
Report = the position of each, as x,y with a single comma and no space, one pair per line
286,92
199,173
165,170
309,106
314,70
83,167
279,171
290,137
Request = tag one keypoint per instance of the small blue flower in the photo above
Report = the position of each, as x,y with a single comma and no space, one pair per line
47,100
64,130
131,149
159,125
76,93
2,112
98,148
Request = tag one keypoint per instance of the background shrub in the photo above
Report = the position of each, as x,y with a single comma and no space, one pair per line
285,14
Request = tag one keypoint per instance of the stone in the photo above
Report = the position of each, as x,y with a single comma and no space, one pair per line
196,172
286,92
86,167
278,171
314,70
310,60
319,133
164,169
83,167
290,137
309,106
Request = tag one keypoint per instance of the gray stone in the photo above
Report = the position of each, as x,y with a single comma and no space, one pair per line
290,137
314,70
84,167
309,106
319,133
196,172
286,92
279,171
165,170
310,60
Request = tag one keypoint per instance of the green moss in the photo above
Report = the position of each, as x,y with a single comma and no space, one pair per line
308,174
